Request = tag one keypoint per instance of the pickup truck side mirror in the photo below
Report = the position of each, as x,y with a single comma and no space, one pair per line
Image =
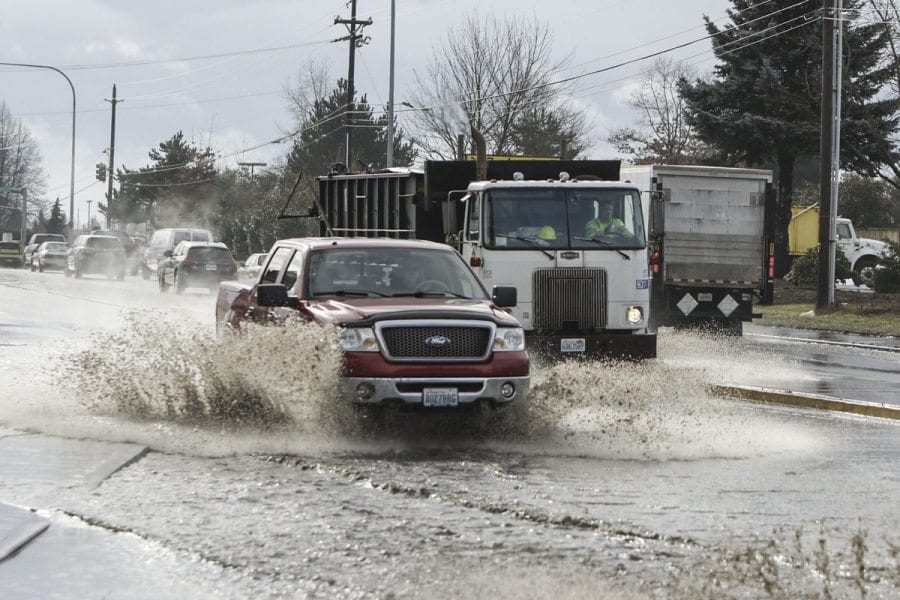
504,295
271,294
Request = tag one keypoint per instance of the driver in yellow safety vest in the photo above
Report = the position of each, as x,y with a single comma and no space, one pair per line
605,223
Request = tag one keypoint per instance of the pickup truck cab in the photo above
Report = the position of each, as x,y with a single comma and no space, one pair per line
417,327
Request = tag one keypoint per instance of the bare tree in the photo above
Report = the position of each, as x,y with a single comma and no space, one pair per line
492,75
661,134
313,82
20,167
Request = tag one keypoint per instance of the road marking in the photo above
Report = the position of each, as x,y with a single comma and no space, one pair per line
828,342
859,407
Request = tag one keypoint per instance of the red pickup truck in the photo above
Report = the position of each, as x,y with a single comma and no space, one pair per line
417,327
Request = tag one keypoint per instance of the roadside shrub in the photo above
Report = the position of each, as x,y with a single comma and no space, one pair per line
805,269
887,279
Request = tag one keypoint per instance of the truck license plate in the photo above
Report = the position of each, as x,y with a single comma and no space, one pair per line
440,397
571,345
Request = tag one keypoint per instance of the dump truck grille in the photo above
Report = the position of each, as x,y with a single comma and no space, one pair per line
569,298
443,343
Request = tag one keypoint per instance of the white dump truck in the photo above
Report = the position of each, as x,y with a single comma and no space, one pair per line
711,233
582,290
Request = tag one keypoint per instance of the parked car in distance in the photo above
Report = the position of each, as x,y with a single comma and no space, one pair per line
36,240
166,239
96,254
133,253
49,255
11,254
196,264
252,266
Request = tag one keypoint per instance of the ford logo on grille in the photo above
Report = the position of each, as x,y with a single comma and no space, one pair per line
437,340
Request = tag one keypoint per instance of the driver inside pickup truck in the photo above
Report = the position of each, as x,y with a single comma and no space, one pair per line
606,222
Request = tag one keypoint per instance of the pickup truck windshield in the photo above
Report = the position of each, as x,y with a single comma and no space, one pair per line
564,218
388,272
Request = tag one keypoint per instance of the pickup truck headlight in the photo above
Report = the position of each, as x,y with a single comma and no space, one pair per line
508,339
358,339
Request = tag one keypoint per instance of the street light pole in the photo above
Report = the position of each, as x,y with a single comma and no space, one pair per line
72,169
88,228
252,165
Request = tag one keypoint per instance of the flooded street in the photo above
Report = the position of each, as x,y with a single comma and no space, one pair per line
196,468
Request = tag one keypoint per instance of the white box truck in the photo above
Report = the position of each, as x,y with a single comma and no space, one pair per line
711,232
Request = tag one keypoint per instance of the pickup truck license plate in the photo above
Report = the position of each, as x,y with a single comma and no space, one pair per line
210,267
571,345
440,397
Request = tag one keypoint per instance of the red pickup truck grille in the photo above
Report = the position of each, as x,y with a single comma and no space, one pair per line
436,343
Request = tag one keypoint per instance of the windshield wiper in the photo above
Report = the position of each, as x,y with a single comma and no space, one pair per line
360,293
424,293
534,245
603,243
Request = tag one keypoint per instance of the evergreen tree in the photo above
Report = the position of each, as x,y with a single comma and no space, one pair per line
57,222
322,137
763,105
177,189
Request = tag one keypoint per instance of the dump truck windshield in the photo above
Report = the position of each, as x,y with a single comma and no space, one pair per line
563,218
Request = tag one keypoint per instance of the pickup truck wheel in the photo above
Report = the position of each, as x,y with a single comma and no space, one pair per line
161,281
180,283
33,269
41,267
78,272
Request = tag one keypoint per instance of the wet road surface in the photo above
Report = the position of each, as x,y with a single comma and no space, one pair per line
625,480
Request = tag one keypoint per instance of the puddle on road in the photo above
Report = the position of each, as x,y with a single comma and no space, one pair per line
172,385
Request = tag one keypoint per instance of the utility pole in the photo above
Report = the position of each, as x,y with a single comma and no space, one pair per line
356,39
112,154
829,151
390,130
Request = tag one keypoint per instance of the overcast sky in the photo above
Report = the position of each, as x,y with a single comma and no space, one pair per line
218,70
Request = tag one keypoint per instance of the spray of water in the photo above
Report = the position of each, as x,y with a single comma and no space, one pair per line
156,369
285,381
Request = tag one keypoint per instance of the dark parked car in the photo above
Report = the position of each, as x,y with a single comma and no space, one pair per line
10,254
101,254
36,240
196,264
49,255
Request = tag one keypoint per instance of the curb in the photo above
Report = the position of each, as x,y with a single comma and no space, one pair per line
867,409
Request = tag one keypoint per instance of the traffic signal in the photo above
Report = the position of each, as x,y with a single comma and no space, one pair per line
101,172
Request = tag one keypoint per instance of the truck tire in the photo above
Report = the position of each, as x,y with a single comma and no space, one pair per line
180,283
863,270
161,281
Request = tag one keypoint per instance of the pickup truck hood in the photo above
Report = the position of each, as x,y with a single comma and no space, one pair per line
362,311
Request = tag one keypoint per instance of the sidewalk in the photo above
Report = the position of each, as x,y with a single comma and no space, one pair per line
45,553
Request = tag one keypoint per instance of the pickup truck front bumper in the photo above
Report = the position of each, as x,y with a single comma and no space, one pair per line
411,391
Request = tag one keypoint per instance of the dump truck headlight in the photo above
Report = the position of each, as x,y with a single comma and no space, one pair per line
509,338
634,315
358,339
